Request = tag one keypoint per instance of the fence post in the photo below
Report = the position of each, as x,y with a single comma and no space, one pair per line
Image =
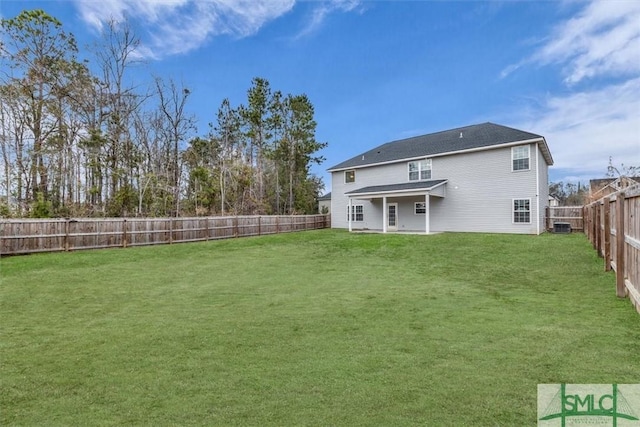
66,235
620,246
170,230
259,225
206,227
124,233
598,230
277,224
592,225
235,226
607,234
590,216
548,218
587,221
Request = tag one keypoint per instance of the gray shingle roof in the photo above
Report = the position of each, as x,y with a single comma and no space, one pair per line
420,185
474,136
326,196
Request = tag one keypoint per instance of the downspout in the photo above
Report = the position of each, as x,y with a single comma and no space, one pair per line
537,190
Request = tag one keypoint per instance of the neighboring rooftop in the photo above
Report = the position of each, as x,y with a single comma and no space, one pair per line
597,186
448,141
326,196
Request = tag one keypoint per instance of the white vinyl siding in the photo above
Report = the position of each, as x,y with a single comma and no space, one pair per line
520,158
479,193
419,170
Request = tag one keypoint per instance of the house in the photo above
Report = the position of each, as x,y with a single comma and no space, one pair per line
553,201
599,188
479,178
324,203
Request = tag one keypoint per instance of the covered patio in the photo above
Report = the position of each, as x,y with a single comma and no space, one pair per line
423,190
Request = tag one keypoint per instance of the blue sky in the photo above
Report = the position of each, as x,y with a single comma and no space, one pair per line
377,71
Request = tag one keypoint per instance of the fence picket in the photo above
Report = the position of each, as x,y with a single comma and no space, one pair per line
620,246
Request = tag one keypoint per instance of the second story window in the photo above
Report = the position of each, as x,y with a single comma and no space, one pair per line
520,158
350,176
420,170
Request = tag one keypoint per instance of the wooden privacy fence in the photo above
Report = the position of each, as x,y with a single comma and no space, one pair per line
23,236
612,224
567,214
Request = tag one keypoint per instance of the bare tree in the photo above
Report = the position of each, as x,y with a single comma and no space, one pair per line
178,124
115,56
40,55
621,171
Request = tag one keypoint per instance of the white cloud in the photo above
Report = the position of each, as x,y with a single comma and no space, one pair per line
584,129
599,46
179,26
325,8
603,39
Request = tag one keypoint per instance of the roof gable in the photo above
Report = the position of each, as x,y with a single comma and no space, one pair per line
449,141
598,185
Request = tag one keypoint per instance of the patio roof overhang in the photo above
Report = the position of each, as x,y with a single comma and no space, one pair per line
400,190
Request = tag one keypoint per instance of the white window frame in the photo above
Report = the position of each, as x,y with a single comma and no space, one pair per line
423,166
516,151
514,211
356,210
420,206
346,173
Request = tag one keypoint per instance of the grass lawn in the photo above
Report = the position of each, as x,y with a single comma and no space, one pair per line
310,328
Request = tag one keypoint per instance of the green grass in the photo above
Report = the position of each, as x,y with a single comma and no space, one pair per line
311,328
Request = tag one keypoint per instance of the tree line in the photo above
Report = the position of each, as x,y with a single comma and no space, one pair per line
579,194
77,138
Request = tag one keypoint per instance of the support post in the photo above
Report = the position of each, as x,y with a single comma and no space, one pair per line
349,213
385,214
427,215
621,290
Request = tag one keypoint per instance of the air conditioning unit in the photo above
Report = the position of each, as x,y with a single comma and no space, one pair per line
561,227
